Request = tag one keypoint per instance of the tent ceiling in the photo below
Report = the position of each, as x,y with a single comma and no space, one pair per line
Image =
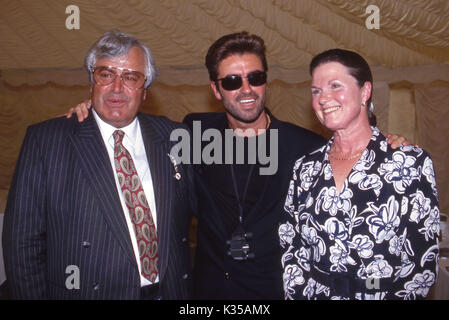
412,32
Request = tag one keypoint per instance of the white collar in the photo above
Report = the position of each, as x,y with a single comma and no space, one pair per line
107,130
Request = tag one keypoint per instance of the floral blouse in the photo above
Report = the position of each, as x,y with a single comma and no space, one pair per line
376,239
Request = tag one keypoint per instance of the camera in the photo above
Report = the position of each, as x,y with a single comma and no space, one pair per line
238,245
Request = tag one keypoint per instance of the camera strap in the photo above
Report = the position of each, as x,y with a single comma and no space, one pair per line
241,202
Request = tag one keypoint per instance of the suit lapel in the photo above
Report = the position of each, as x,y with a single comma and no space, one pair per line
157,149
94,160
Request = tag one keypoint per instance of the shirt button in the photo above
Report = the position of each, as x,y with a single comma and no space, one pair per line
185,276
86,244
184,240
96,286
227,275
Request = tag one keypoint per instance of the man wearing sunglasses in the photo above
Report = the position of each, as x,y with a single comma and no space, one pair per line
239,208
97,209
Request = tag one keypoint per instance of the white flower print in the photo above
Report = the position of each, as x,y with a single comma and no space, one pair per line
298,163
327,171
317,244
430,255
429,173
419,286
303,257
363,245
404,205
432,224
399,171
309,290
353,221
366,182
398,244
292,277
406,267
308,171
384,222
383,145
332,201
320,288
310,221
286,233
395,246
336,229
379,268
289,206
309,201
375,133
340,258
288,255
411,148
420,207
371,181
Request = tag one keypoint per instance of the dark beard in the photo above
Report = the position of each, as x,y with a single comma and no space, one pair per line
235,113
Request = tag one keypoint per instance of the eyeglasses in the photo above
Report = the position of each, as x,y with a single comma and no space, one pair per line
234,82
104,76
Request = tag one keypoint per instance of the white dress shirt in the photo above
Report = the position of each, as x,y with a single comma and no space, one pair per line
133,142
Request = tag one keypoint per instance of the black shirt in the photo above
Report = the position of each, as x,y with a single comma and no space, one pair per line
216,274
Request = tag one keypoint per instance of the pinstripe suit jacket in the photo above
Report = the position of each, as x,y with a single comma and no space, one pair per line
64,210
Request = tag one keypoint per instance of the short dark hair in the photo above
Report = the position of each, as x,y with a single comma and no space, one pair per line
231,44
356,65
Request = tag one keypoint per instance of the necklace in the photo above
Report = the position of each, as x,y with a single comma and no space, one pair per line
353,156
268,121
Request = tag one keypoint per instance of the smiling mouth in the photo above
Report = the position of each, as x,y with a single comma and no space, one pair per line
331,109
247,101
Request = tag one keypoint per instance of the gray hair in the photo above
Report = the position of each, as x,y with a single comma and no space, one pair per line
115,44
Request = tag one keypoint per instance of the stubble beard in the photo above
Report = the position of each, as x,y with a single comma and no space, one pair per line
246,116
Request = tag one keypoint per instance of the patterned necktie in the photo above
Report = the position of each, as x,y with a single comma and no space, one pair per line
139,210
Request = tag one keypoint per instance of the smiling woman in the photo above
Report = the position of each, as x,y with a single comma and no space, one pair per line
368,214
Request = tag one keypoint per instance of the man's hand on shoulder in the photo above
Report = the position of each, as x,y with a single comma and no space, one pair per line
395,141
81,110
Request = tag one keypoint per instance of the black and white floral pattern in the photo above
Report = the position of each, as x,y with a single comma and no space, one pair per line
375,239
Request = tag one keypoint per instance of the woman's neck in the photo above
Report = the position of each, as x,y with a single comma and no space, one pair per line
351,141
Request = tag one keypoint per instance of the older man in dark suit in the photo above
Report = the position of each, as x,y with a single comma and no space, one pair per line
97,209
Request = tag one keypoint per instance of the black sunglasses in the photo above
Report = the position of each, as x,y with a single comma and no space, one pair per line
234,82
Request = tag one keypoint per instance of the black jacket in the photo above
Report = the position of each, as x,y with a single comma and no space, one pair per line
64,210
218,276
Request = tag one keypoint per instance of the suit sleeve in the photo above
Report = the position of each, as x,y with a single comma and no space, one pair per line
24,230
